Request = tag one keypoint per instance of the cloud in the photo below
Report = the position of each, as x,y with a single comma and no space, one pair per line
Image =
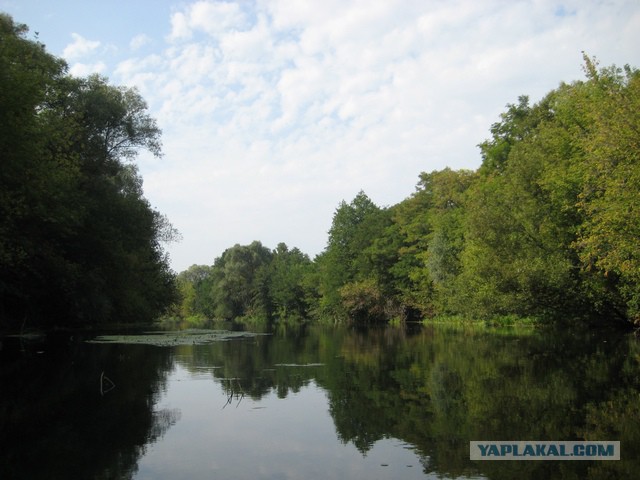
139,41
212,18
274,111
84,69
179,26
80,47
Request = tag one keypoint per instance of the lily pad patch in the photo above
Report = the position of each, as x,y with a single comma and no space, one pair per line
169,339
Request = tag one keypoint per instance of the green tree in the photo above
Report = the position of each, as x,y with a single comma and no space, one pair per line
608,239
429,238
35,186
445,241
287,287
354,227
239,285
515,124
412,227
78,241
553,228
123,271
517,258
194,285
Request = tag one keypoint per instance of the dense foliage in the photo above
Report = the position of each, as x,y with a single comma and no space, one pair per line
246,281
79,243
546,227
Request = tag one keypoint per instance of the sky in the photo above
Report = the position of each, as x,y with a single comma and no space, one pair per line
274,111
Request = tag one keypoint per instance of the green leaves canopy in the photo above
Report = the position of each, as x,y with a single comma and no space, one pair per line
78,241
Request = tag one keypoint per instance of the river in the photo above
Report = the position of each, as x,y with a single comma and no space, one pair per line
315,403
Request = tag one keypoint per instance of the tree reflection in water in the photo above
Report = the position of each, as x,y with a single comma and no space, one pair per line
56,424
434,389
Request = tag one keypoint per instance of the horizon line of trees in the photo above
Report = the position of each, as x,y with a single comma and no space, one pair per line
79,242
547,227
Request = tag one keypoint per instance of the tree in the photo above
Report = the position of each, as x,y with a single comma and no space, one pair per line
412,225
238,284
546,227
553,229
608,238
518,227
29,173
78,240
194,286
286,276
446,239
354,227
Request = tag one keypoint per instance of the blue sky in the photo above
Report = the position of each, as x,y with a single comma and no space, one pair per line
273,111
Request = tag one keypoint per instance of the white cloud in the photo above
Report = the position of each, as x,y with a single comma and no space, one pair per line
79,69
273,112
81,47
179,26
139,41
141,72
210,17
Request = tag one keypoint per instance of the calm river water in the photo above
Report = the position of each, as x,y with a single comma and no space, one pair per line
317,403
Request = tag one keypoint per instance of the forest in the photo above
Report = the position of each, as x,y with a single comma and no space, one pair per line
79,243
546,228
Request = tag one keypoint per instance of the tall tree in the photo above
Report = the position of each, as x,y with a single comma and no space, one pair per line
354,227
553,228
29,172
238,285
608,239
78,240
287,290
517,258
445,241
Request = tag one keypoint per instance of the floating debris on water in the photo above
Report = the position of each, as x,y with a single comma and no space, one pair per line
169,339
299,365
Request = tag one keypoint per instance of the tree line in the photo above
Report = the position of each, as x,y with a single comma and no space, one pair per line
79,243
547,227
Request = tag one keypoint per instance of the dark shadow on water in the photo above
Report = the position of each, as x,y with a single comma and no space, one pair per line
57,421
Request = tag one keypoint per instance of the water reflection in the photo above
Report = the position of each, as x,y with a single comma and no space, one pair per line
318,403
56,420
